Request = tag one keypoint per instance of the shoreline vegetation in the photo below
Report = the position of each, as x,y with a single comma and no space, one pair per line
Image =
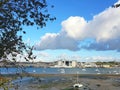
110,64
62,81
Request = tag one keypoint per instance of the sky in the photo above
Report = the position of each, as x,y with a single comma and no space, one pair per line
85,30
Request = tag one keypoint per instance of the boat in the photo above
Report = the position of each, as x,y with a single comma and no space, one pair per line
77,84
83,69
97,70
62,70
34,71
98,73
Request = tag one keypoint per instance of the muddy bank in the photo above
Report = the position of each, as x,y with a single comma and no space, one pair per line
65,82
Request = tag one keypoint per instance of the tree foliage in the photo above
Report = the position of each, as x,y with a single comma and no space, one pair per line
111,63
116,5
13,15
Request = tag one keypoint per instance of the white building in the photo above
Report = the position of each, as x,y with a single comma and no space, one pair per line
66,64
88,64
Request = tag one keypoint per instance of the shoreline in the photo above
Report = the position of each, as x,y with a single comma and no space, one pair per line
66,81
40,75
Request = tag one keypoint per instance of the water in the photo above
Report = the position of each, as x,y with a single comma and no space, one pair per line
30,83
60,71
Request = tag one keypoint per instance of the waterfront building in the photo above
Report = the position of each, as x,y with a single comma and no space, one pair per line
88,64
106,66
66,64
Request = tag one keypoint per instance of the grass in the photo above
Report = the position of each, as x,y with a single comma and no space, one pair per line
3,82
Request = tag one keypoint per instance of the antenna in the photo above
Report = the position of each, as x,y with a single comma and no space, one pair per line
77,77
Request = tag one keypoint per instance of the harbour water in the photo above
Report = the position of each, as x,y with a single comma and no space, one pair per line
60,70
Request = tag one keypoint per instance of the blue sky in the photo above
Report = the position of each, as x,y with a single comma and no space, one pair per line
85,30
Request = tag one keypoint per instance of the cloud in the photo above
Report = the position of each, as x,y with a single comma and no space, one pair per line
100,58
56,41
104,26
65,56
113,44
43,54
117,2
66,38
103,30
28,41
74,27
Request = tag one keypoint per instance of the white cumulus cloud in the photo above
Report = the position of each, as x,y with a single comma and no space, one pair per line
56,41
104,29
74,27
104,26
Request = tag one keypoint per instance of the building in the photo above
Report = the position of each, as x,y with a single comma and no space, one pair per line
88,64
106,66
66,64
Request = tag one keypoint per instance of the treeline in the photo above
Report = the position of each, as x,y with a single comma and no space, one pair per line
111,63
